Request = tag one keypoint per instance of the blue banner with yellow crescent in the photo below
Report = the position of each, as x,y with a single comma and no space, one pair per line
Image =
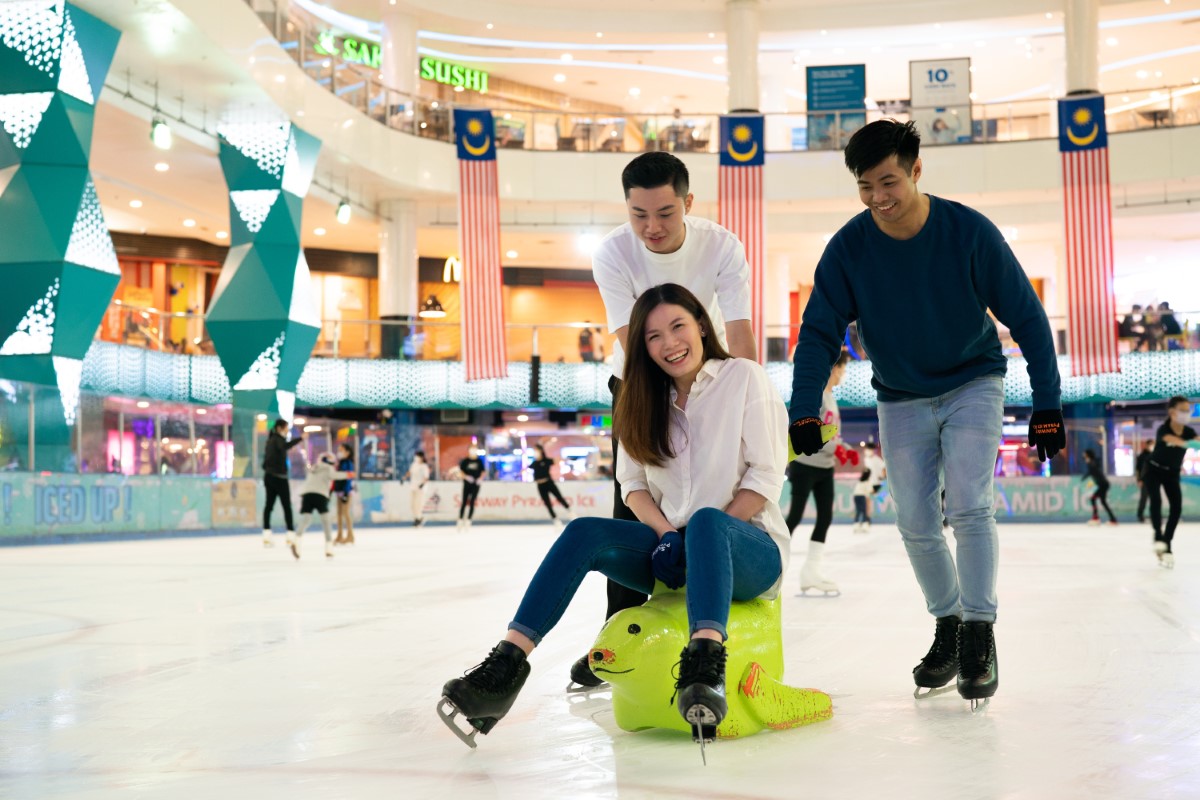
473,133
742,142
1081,123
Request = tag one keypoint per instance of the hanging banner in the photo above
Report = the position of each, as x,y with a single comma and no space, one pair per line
740,204
940,93
840,89
484,349
1087,200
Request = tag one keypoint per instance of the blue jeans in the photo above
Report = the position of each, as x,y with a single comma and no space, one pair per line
727,560
949,441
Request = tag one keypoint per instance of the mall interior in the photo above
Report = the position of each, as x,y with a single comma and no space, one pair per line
220,212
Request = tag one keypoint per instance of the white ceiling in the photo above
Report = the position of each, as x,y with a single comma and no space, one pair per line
196,82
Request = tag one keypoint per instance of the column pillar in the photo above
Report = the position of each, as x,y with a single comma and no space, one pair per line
776,310
741,54
1081,21
398,279
398,51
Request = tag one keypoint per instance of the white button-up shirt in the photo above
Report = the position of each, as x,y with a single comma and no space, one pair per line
732,435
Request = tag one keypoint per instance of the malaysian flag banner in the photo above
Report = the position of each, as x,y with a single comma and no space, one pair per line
740,203
484,352
1091,306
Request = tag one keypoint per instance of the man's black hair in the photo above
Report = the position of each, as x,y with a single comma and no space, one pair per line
652,170
874,143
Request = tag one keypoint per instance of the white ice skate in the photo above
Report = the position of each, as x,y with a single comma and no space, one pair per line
329,549
811,576
460,525
1094,521
1167,560
468,525
266,538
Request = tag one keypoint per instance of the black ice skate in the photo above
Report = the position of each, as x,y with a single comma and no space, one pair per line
978,670
701,689
582,678
940,664
485,693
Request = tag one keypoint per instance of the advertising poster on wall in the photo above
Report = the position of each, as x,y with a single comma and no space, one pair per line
940,92
839,89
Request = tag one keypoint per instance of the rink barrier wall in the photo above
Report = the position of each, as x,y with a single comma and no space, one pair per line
129,371
50,508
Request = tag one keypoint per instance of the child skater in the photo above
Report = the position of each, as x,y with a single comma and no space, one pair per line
472,472
1162,473
418,473
341,490
314,499
546,485
815,474
1095,471
684,398
862,501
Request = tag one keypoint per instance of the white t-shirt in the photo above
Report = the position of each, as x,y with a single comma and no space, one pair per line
731,435
418,473
711,263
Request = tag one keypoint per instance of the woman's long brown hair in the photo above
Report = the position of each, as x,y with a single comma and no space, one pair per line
642,417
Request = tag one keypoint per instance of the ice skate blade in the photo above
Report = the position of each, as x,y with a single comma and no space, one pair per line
818,594
579,688
448,711
979,704
704,727
929,691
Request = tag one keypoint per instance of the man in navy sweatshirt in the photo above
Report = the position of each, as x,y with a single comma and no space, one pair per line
919,274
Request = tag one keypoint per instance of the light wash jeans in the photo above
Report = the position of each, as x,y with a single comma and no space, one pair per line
727,559
949,441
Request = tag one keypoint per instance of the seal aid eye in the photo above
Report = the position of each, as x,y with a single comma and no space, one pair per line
635,629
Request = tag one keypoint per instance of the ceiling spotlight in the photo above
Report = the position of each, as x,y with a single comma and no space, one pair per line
560,78
135,203
511,254
160,134
318,231
343,212
189,223
432,309
222,235
161,166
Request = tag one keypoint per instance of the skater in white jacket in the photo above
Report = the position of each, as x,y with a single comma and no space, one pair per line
314,499
418,475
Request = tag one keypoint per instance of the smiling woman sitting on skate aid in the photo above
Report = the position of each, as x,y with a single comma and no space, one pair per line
703,447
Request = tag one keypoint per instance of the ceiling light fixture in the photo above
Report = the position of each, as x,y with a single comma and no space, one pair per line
189,223
160,133
161,166
318,231
135,203
432,309
343,212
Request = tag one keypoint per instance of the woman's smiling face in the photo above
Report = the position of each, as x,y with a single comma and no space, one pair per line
673,340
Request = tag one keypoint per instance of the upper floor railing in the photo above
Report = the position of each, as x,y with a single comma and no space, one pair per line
425,340
569,130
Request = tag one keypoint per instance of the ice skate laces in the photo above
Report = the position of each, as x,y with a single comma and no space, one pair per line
493,673
975,643
698,667
943,648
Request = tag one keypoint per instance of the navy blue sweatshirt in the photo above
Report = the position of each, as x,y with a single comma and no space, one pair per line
921,306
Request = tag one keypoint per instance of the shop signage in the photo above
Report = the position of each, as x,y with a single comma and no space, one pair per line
352,50
453,74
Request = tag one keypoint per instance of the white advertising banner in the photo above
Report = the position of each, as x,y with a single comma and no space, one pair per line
498,500
940,93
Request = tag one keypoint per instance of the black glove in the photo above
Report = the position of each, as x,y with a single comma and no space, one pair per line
667,562
806,436
1047,432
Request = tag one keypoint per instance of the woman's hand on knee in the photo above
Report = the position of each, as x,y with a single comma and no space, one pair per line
668,562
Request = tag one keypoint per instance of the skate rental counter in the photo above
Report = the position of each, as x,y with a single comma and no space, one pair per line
45,508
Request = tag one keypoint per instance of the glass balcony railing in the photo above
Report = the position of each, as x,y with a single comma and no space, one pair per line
575,130
424,340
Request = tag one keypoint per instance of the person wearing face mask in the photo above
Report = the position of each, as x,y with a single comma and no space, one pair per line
662,243
1162,475
919,274
709,525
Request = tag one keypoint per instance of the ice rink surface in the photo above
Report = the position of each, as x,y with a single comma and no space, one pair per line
214,668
